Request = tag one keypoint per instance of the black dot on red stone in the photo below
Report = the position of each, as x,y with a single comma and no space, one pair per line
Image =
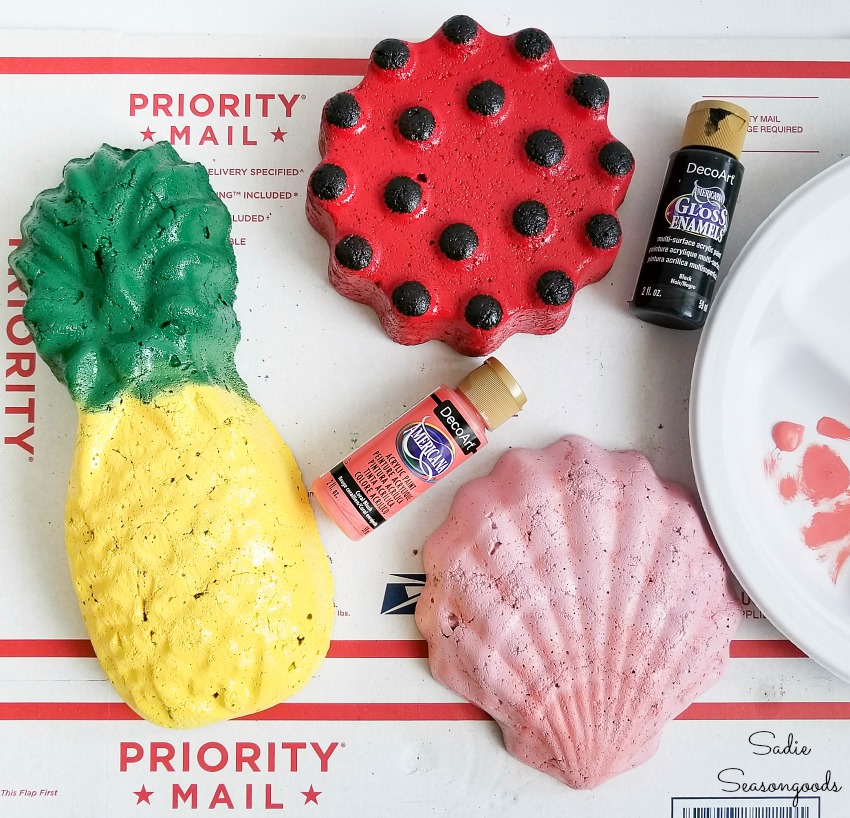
416,124
342,110
328,181
555,288
544,148
412,299
589,91
402,195
616,159
390,54
530,218
353,252
486,98
458,241
460,29
532,43
483,312
603,230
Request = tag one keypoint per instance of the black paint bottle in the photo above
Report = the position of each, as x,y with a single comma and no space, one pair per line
682,261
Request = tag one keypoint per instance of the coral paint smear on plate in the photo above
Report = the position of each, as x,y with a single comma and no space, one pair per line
830,427
787,436
823,479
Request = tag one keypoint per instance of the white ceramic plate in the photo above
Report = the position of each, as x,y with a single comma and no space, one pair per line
776,348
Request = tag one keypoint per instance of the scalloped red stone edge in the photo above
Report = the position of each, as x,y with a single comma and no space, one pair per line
468,187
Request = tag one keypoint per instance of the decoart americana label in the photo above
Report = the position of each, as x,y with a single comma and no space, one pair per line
428,450
399,463
424,449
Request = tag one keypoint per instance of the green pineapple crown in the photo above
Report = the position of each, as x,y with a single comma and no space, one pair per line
130,277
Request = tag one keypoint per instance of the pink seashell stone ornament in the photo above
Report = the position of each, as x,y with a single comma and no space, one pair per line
581,601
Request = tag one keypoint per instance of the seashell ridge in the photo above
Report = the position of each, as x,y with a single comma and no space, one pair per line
581,601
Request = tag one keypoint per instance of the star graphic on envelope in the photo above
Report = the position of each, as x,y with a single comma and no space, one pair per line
143,795
311,795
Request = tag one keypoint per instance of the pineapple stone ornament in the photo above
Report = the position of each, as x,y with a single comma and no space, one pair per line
192,545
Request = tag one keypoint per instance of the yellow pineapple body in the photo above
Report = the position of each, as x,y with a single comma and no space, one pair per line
195,556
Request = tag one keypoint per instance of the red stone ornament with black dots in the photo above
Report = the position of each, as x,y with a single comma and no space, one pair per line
468,187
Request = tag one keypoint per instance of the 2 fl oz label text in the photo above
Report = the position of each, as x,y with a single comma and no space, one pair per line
652,292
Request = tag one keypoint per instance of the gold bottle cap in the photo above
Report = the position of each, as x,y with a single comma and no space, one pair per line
492,390
713,123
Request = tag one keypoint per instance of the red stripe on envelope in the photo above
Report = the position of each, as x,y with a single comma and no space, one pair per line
771,711
372,711
66,711
340,649
378,649
249,66
401,711
289,711
418,711
364,649
46,649
313,66
764,649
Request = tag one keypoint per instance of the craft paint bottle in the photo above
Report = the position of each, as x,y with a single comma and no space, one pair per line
677,280
425,444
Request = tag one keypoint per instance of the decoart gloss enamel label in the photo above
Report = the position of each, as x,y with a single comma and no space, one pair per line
681,267
682,261
702,212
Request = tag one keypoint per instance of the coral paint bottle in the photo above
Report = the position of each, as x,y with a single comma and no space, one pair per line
424,445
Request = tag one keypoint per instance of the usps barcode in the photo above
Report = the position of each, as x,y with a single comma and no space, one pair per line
745,808
745,812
